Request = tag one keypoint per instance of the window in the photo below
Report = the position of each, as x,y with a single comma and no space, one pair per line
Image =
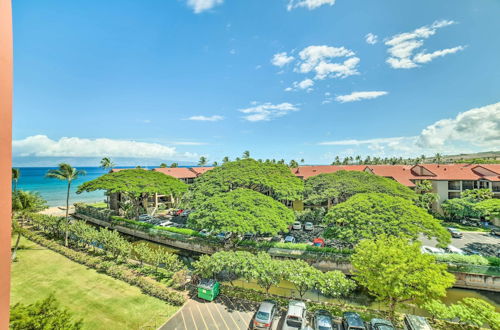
453,185
466,185
452,195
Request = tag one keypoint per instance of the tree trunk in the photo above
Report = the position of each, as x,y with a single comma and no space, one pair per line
67,216
16,246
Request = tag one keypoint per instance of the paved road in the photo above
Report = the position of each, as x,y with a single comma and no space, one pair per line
468,238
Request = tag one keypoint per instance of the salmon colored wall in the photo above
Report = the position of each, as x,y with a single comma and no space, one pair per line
5,156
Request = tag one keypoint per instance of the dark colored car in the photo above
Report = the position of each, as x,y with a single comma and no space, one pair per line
265,315
248,236
381,324
323,320
495,231
455,233
352,321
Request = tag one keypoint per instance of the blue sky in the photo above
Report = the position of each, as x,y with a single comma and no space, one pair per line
312,79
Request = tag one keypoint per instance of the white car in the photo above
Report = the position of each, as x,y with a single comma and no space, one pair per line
297,225
308,226
431,250
296,316
453,249
166,223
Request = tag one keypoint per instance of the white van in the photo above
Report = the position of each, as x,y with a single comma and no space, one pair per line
295,316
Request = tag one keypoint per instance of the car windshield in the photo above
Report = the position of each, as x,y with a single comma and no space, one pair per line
383,327
293,323
264,316
325,327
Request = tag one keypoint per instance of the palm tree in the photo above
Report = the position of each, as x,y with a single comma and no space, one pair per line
302,160
225,159
203,161
173,165
293,164
438,158
214,164
67,173
16,174
106,163
24,203
358,159
163,165
246,154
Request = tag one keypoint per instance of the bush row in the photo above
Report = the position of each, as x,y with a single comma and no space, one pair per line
294,246
121,272
468,259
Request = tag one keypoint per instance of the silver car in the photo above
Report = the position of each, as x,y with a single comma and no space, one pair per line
265,315
323,320
295,316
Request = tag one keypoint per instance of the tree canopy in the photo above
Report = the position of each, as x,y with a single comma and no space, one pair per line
489,208
240,211
135,182
367,215
274,180
339,186
395,271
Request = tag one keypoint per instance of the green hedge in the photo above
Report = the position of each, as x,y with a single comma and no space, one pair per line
462,259
294,246
121,272
147,226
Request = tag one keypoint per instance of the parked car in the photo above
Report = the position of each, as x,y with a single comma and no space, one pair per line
323,320
224,236
248,236
297,225
205,232
495,231
185,213
144,217
319,242
308,226
295,318
453,249
277,239
290,239
381,324
166,223
413,322
455,233
431,250
352,321
265,315
179,212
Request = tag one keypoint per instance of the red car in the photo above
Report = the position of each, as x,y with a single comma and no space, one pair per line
179,212
319,242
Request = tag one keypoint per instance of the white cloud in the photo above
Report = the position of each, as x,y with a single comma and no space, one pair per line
281,59
268,111
470,131
305,84
43,146
358,96
188,143
402,46
371,38
232,51
206,118
200,6
309,4
318,59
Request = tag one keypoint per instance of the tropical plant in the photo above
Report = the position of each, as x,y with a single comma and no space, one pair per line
137,185
303,276
293,164
334,284
426,198
163,165
67,173
44,314
477,195
367,215
459,208
246,154
476,312
241,211
225,159
16,174
23,204
203,161
174,165
337,187
395,271
106,163
489,208
437,309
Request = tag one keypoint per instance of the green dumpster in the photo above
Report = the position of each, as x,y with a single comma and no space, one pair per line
208,289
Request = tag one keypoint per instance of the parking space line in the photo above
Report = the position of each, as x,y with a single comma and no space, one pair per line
228,313
183,320
235,308
202,318
218,311
192,317
211,315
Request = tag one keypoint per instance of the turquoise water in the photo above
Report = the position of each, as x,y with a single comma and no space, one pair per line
54,191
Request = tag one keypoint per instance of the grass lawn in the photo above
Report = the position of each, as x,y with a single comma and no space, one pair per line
101,301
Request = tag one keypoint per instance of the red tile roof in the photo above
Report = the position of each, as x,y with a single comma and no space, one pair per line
177,172
308,171
201,169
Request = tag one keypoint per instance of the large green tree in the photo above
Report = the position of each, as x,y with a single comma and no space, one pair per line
367,215
23,204
240,211
490,208
477,195
137,184
274,180
395,271
337,187
42,315
67,173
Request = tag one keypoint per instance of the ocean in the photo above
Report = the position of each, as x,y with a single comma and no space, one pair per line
54,191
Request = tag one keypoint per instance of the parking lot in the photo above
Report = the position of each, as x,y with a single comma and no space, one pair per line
472,240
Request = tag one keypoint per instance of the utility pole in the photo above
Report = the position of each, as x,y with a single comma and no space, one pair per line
5,157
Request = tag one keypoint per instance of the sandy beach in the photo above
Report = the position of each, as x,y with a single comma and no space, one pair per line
58,211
